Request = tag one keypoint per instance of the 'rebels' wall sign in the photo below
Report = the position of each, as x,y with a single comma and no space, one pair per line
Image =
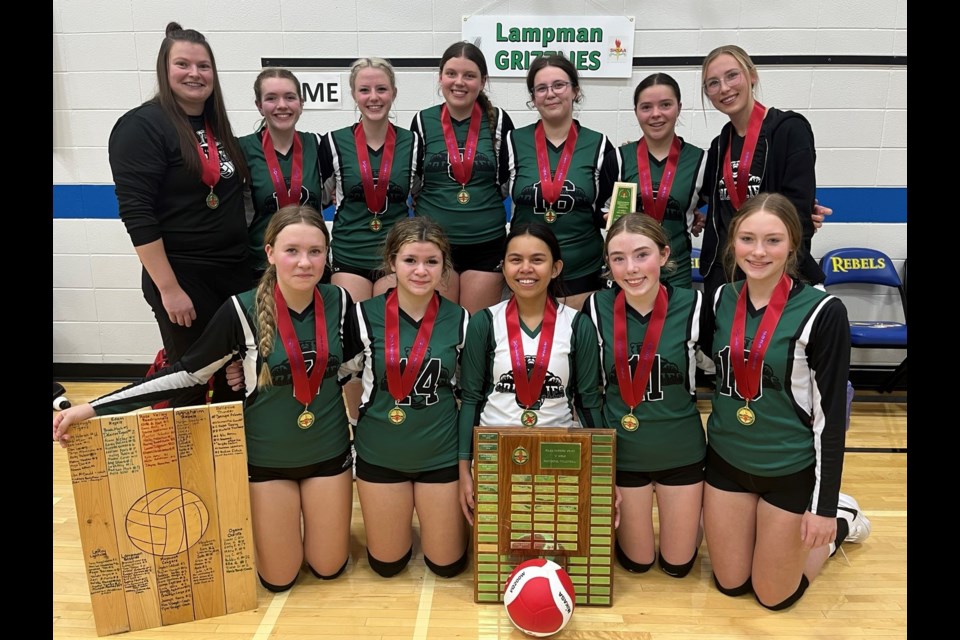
598,46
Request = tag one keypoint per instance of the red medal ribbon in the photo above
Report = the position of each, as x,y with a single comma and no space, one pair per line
462,169
284,196
375,195
748,373
209,162
656,208
400,385
632,389
551,187
737,189
528,389
304,389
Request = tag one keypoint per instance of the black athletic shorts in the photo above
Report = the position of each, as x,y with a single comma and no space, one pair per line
678,476
583,284
324,469
382,475
481,256
370,274
790,492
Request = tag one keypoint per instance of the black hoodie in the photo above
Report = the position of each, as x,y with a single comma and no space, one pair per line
783,163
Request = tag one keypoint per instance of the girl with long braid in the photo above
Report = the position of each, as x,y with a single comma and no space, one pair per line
288,332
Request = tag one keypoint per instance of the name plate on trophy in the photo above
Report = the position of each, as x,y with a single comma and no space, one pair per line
544,493
622,202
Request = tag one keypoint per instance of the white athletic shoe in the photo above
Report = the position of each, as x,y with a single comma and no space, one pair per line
849,510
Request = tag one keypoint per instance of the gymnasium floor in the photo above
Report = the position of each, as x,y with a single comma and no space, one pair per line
862,595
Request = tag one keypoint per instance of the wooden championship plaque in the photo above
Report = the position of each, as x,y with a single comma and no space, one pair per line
544,493
622,201
164,512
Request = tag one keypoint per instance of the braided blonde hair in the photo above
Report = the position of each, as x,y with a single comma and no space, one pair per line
265,307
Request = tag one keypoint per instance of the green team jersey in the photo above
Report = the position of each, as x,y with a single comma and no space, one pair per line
670,434
594,167
572,380
800,407
427,437
482,218
274,438
681,203
262,191
354,242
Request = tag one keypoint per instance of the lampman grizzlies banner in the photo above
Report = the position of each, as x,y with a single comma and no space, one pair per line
598,46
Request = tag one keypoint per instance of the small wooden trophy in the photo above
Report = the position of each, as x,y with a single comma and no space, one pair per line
623,201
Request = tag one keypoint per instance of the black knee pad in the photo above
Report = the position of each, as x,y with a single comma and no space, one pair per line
447,570
389,569
746,587
804,583
274,588
627,563
676,570
330,577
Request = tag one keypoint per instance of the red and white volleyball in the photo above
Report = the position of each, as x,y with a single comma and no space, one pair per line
539,597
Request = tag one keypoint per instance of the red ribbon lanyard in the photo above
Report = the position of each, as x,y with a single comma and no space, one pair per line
632,389
462,169
284,196
209,162
399,385
304,389
551,187
528,389
737,189
748,373
656,207
376,196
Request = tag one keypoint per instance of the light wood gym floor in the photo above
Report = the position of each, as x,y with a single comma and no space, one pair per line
861,596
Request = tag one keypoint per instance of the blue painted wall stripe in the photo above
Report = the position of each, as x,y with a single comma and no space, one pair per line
849,204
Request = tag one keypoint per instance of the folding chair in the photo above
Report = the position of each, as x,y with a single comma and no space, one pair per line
873,268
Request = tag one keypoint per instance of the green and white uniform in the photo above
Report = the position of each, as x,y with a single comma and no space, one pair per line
483,218
681,203
270,415
594,167
488,389
670,434
801,405
354,242
262,190
427,439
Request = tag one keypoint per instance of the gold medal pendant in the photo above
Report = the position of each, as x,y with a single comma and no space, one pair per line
212,200
528,418
305,420
630,422
375,224
746,416
396,415
550,216
463,197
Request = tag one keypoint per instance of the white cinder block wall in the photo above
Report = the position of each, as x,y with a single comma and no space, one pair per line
104,53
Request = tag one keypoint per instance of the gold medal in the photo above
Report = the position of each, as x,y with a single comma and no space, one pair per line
746,416
212,200
528,418
305,420
375,224
630,422
396,415
550,216
463,197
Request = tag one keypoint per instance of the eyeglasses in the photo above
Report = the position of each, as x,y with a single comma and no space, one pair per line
558,86
731,78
